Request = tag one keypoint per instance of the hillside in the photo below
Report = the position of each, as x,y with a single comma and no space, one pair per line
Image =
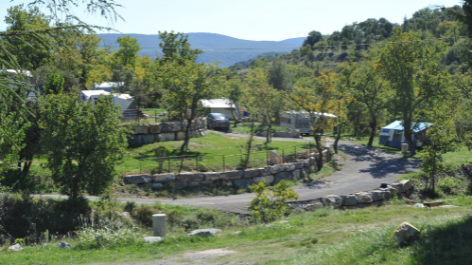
216,47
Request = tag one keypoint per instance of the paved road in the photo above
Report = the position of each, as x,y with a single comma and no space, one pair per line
364,169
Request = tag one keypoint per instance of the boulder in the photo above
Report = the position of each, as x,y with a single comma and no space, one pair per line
163,177
242,183
251,173
202,132
303,173
212,176
282,176
167,137
269,179
312,161
133,140
333,200
298,165
180,185
273,157
194,134
306,162
235,174
152,239
405,232
154,128
194,177
146,139
402,186
363,197
275,169
141,129
288,167
296,174
180,136
155,185
313,206
63,244
377,195
205,232
16,247
265,171
157,138
166,127
138,179
126,215
194,183
349,200
312,169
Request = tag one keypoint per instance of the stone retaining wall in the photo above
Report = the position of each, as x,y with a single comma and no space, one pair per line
165,131
375,197
238,178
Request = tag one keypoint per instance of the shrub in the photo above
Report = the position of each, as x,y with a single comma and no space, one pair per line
144,215
451,185
90,238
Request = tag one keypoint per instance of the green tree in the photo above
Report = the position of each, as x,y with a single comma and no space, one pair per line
127,54
175,47
54,83
414,74
84,143
313,38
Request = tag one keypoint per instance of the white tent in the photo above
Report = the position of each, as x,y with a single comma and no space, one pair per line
124,100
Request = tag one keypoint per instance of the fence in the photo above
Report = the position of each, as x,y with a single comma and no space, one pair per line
223,163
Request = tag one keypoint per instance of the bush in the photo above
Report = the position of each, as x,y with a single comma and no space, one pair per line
451,185
90,238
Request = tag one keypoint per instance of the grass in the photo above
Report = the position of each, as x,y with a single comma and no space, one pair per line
245,128
326,236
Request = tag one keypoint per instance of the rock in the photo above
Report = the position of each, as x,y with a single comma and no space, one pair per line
194,183
63,244
405,232
235,174
152,239
265,171
202,132
138,179
312,161
167,137
155,185
418,205
251,173
16,247
333,200
154,128
207,183
166,127
296,174
236,233
288,167
212,176
377,195
242,183
303,173
269,179
363,197
383,185
364,205
275,169
313,206
282,176
126,215
180,136
205,232
189,177
180,185
306,162
157,138
147,139
298,165
349,200
141,129
133,140
163,177
194,134
312,169
273,157
402,186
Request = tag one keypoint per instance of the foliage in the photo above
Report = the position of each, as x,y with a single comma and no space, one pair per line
270,205
127,54
91,238
84,141
54,84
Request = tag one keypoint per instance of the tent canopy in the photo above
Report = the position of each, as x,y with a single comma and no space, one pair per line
415,126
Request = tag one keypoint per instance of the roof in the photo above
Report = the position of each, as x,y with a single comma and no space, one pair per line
16,72
317,114
89,93
218,103
108,85
416,126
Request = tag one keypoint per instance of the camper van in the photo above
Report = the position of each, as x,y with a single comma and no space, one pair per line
300,120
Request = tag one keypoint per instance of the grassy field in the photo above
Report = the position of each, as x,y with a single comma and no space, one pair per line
246,128
326,236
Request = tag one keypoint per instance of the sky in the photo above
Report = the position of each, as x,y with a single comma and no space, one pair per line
273,20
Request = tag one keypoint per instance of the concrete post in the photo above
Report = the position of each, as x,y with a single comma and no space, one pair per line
159,224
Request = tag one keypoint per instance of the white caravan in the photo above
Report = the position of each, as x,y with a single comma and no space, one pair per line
300,120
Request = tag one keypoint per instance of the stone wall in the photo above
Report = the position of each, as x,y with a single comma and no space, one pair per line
375,197
165,131
238,178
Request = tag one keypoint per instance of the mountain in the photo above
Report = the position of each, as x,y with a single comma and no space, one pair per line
216,47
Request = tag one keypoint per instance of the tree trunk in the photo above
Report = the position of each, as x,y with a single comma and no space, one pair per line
373,125
249,144
409,140
269,133
338,136
319,148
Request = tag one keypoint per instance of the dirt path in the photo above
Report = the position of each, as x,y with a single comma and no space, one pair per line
364,169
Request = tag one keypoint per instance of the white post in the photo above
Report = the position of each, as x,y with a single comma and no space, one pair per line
159,224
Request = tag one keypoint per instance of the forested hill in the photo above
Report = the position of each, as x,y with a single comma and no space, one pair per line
216,47
354,41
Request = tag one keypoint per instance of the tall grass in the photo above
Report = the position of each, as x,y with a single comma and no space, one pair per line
91,238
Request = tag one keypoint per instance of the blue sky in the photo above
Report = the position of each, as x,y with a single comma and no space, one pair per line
249,19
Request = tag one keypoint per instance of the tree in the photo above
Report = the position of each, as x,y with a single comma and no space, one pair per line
84,143
414,74
313,38
282,80
54,83
127,54
175,47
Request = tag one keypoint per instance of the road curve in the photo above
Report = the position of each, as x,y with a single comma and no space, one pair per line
365,169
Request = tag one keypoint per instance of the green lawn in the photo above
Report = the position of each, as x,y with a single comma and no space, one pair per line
246,128
326,236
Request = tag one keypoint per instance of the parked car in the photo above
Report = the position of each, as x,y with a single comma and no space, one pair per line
217,121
